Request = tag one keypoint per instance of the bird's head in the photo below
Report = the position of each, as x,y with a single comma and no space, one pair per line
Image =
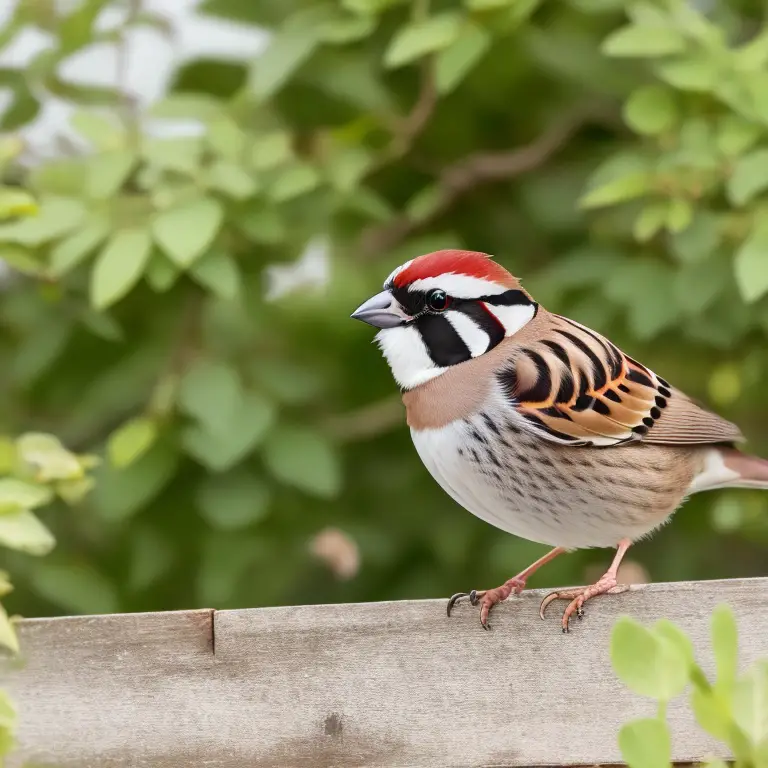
442,309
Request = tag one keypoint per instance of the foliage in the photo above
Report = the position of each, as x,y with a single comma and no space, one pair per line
180,302
659,662
35,469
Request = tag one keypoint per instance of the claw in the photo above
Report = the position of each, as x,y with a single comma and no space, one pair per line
550,598
473,599
458,597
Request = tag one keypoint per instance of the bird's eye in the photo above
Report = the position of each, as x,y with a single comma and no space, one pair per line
438,300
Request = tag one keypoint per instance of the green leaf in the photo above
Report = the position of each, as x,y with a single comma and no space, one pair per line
212,393
369,6
108,172
233,500
262,223
122,492
651,110
89,95
643,41
698,74
287,51
226,138
304,459
751,264
347,167
16,202
231,442
8,639
72,250
271,150
424,203
131,441
696,243
749,177
344,28
750,703
24,532
456,61
56,217
725,644
646,744
161,273
231,179
186,231
119,266
735,135
668,632
72,492
182,154
102,131
679,214
16,495
76,29
752,56
649,221
420,38
219,272
294,181
47,458
76,587
649,665
186,106
618,191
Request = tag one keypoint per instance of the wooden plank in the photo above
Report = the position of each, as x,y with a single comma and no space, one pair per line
376,684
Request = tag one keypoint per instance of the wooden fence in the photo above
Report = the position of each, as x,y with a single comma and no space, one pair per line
377,684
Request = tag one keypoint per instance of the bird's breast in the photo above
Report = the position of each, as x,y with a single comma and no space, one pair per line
553,494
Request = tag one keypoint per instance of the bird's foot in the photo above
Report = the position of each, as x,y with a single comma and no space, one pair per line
579,595
487,598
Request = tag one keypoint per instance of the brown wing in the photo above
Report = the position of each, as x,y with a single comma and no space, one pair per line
573,386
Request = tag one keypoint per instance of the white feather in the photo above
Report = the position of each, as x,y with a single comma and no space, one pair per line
396,272
476,339
514,317
714,475
407,356
460,286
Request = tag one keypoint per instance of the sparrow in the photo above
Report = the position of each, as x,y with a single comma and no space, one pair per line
539,425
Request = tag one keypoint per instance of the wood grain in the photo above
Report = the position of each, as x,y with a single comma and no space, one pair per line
342,686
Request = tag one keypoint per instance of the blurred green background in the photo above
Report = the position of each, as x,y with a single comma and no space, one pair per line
179,303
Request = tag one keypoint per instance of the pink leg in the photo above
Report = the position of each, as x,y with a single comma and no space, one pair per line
606,585
489,597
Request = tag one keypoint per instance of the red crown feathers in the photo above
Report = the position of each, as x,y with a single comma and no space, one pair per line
450,261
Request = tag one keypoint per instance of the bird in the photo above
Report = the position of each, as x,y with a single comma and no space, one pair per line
539,425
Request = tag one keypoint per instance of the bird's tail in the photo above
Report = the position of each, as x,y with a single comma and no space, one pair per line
729,468
752,470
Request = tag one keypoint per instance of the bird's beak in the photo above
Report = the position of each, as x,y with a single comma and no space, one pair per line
381,311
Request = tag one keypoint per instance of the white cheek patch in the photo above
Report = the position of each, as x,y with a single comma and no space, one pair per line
476,339
406,353
459,286
513,317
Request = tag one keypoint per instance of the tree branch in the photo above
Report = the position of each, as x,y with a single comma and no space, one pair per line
477,169
368,421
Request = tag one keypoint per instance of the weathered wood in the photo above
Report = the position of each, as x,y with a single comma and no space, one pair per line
378,684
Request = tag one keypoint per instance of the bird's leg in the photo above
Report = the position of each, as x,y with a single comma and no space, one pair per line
489,597
606,585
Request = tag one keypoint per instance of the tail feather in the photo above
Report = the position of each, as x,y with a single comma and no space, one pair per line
752,470
729,468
